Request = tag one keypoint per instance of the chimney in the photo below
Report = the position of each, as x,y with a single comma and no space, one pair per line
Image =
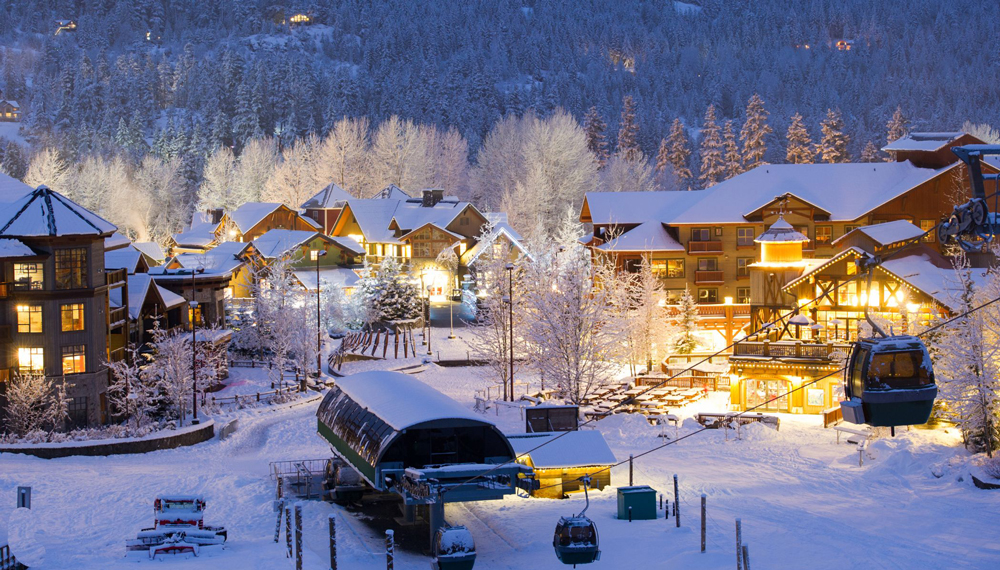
432,197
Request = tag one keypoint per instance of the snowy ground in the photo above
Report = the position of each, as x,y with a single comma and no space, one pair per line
803,499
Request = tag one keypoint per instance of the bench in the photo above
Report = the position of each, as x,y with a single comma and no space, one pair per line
841,429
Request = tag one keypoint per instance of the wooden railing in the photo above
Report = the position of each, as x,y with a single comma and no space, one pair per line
117,316
701,277
704,247
115,276
7,560
784,349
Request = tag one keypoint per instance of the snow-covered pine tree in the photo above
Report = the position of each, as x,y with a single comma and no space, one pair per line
800,149
390,293
678,152
34,402
870,153
967,361
687,321
897,126
754,133
732,157
132,399
169,369
713,167
833,144
662,156
597,140
628,132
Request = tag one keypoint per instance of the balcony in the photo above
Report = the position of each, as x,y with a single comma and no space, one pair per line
115,276
703,247
708,277
790,349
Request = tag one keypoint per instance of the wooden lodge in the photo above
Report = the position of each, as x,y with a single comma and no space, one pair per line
565,457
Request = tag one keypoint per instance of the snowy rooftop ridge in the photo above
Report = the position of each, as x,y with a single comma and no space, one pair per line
250,214
45,212
647,236
332,196
781,231
402,401
928,142
887,233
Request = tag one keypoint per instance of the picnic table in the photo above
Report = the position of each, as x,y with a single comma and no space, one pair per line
715,420
675,400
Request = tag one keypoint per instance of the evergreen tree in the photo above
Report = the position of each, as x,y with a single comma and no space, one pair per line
390,293
870,153
14,163
597,141
628,133
733,159
676,150
712,165
754,132
688,323
833,145
897,127
800,148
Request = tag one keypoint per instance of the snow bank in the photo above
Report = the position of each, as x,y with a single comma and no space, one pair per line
24,539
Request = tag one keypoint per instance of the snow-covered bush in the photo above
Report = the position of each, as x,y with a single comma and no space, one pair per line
992,467
35,403
169,370
687,321
390,293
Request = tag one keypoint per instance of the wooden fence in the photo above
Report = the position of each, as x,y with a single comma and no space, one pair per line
247,398
7,560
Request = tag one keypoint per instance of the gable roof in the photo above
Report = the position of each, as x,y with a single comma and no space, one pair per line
116,241
887,233
647,236
126,258
329,276
252,213
412,214
554,450
626,208
373,216
457,237
847,191
201,234
150,249
348,244
333,196
929,142
277,242
391,192
140,286
44,212
474,252
222,260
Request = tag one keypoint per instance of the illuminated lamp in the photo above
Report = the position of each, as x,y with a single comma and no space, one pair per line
728,300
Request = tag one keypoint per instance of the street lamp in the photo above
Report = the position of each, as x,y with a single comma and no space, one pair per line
319,328
194,349
510,318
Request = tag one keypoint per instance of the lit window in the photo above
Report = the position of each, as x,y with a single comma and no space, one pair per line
72,317
313,255
71,268
675,268
74,360
29,318
28,276
658,267
708,295
926,226
30,360
824,235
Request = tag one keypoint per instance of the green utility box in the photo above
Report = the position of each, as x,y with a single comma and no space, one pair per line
642,499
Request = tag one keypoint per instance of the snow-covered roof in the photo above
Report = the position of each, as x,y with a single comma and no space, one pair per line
391,192
252,213
150,249
126,258
140,286
928,142
201,234
116,241
647,236
474,252
10,247
333,196
887,233
373,217
350,244
278,242
847,191
453,235
781,231
12,189
329,276
932,274
563,449
637,207
222,260
402,401
819,265
412,215
45,212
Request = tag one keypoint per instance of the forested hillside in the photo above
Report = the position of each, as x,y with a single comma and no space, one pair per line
181,78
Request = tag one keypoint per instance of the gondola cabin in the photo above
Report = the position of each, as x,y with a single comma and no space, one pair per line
889,382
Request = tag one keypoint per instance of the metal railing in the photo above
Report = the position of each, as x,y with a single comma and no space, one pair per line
7,560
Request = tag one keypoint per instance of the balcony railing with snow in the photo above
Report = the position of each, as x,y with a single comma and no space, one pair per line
704,247
789,349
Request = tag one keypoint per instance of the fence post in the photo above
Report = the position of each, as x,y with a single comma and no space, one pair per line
277,525
746,557
629,469
677,504
703,522
298,537
739,542
388,549
630,514
288,532
333,542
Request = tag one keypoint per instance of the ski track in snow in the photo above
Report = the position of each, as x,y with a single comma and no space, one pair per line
803,500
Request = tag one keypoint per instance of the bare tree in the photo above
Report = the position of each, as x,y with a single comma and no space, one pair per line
344,155
170,368
34,403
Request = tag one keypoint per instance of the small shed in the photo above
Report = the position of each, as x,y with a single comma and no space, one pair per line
641,499
563,459
545,418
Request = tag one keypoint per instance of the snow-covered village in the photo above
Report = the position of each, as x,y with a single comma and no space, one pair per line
502,285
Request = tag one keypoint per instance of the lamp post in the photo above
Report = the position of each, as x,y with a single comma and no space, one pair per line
194,350
510,318
319,327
